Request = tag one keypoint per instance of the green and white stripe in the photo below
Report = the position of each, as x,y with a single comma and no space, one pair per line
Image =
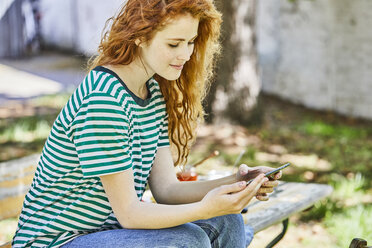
103,129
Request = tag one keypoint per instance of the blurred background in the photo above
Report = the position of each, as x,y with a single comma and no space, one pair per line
293,84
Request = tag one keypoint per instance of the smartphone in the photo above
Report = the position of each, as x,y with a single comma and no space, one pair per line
272,172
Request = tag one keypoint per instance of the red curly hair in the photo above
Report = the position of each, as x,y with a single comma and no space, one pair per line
140,19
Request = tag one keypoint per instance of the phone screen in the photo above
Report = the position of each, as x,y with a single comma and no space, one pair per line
272,172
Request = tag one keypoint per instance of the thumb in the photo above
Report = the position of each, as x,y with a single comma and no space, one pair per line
243,169
253,172
246,173
232,188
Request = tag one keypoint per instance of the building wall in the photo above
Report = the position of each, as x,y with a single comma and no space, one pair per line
313,52
12,42
318,53
76,24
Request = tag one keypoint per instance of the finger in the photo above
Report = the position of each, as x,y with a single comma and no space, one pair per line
251,190
243,169
271,184
265,190
232,188
262,194
265,169
254,172
255,185
276,176
262,198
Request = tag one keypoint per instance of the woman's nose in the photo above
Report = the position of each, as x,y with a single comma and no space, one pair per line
185,54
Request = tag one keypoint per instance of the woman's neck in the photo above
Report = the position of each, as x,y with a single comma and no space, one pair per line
134,76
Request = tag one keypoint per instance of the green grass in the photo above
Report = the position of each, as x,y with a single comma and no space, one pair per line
343,132
25,131
345,143
56,101
348,188
351,223
24,135
348,193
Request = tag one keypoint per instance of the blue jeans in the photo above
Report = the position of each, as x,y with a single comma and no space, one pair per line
225,231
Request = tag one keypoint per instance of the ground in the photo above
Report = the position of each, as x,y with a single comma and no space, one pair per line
323,147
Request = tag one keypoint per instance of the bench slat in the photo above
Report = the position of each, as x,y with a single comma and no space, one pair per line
287,199
15,180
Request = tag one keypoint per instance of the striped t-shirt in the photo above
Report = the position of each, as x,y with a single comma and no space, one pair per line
104,128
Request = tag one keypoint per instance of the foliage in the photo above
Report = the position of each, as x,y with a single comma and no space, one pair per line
310,136
350,223
25,131
26,134
344,143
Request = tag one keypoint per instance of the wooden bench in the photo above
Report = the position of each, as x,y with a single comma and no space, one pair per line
287,199
6,245
15,179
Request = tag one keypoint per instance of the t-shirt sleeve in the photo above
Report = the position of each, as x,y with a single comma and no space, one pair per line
100,134
164,137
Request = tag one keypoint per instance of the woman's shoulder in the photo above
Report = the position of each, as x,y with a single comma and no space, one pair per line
100,80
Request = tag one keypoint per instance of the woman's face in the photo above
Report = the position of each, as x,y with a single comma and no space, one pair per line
170,47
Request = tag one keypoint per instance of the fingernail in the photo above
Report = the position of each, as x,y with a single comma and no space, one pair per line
266,179
242,183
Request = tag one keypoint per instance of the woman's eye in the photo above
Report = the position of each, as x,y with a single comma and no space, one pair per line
191,42
173,45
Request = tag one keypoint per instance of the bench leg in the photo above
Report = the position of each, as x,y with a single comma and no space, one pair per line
358,243
280,236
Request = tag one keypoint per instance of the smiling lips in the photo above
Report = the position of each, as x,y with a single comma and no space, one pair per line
178,67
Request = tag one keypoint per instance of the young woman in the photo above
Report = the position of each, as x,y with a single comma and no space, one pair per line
112,138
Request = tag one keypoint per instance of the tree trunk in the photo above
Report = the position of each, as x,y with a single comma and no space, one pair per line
235,91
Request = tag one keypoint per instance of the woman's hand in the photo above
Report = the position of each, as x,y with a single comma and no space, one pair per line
232,198
246,173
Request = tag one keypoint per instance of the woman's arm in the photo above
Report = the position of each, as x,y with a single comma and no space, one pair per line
134,214
166,188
